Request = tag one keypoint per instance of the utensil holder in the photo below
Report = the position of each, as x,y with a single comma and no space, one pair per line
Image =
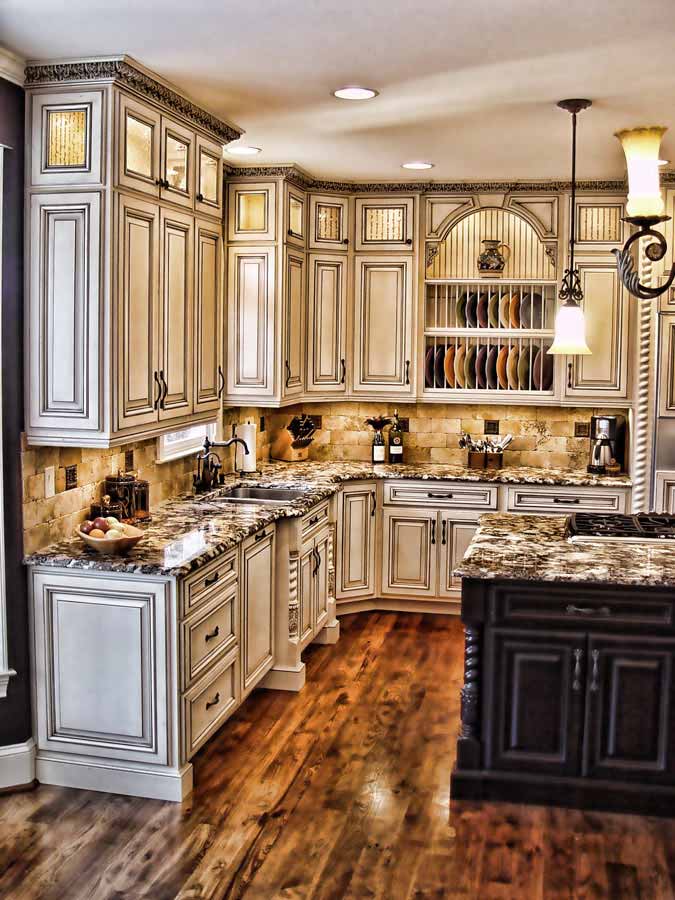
494,460
477,459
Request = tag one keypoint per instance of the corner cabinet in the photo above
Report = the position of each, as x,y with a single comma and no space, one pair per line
356,541
327,324
124,282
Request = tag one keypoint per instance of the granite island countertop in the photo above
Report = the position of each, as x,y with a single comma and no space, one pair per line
510,546
187,532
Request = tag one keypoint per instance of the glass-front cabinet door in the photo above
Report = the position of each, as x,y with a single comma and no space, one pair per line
138,148
177,162
209,191
385,224
329,222
295,215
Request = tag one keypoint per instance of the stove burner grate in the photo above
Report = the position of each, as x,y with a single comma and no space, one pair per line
644,526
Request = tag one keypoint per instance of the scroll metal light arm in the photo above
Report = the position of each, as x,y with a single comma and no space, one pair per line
654,251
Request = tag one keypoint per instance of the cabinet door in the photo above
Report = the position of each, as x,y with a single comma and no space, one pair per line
257,587
409,552
209,379
294,308
251,211
329,222
630,719
177,164
535,701
306,596
356,541
139,388
67,138
295,216
138,146
327,324
455,540
321,589
176,358
603,374
209,177
251,321
666,373
385,224
383,326
63,329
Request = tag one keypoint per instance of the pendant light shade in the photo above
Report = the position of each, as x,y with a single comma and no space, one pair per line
570,332
641,147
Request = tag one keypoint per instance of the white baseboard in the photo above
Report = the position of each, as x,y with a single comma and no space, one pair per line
94,775
329,634
281,678
17,764
391,604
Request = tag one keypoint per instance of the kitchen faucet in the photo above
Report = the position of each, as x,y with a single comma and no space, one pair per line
209,464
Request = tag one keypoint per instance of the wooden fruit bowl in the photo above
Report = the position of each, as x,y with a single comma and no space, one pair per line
113,546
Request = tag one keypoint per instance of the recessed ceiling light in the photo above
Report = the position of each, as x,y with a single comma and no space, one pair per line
417,165
355,92
242,150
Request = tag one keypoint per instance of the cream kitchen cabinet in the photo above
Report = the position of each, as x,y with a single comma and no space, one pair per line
454,542
328,222
356,541
385,223
295,216
258,607
327,324
252,211
115,276
383,326
409,556
294,323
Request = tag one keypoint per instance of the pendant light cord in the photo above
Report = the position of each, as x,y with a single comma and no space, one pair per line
573,217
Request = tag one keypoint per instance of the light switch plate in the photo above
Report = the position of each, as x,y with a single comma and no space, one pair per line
50,487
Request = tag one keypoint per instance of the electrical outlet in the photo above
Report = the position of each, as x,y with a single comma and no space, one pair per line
262,424
71,477
404,423
50,481
128,460
582,429
492,426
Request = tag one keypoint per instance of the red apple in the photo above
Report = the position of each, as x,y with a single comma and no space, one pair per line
86,527
101,524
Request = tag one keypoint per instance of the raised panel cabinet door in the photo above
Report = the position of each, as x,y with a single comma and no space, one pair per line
257,603
329,222
139,388
63,327
327,324
294,309
177,163
208,177
322,581
209,377
454,542
410,542
603,374
383,326
67,138
251,321
176,312
306,588
357,517
138,146
385,224
630,710
101,661
251,211
536,701
295,216
666,375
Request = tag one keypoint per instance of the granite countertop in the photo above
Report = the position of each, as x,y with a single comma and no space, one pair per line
188,531
511,546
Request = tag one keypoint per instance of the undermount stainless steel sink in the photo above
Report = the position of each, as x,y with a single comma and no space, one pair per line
271,495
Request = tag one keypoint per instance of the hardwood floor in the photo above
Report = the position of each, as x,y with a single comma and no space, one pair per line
341,791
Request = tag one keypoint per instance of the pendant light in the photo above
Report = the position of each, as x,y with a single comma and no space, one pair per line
570,328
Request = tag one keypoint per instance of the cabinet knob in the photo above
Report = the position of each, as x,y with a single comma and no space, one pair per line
345,241
409,241
200,197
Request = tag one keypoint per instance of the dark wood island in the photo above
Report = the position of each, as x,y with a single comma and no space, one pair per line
569,672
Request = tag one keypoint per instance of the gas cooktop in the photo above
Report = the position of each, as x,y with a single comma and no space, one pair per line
642,528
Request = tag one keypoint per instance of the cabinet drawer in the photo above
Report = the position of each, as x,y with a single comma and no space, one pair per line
208,581
315,519
210,702
447,495
208,634
566,499
593,609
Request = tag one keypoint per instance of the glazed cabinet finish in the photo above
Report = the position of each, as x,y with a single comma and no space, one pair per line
329,222
666,384
251,321
409,552
252,211
139,142
257,599
327,324
385,223
208,177
208,317
357,541
294,323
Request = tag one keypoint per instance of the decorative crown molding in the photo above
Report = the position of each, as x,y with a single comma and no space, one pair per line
11,66
121,71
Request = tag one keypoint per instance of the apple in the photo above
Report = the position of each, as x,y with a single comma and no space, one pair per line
114,533
112,521
86,527
96,533
101,524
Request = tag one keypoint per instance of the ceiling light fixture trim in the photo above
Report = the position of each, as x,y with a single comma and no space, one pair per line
355,92
417,164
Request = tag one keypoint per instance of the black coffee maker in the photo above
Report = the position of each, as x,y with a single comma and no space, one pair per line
608,442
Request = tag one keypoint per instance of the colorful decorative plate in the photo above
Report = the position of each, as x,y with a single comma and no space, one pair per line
514,310
491,368
532,311
460,311
449,365
460,353
429,368
542,370
502,359
524,369
482,310
504,304
471,311
439,373
481,364
512,368
470,366
493,311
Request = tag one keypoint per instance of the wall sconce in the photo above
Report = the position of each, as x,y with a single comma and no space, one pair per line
645,207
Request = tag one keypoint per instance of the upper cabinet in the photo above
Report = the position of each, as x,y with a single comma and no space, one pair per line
327,324
385,224
328,222
252,211
295,216
125,283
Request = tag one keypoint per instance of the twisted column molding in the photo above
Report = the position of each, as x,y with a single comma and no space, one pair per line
293,602
645,391
470,693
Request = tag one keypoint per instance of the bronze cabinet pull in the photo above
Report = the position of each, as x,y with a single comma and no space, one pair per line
595,678
444,532
571,500
578,656
212,634
343,376
214,702
166,389
222,382
407,371
314,520
433,531
569,375
288,373
159,395
573,610
432,496
373,500
211,579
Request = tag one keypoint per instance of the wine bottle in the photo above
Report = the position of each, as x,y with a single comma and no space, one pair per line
396,440
378,447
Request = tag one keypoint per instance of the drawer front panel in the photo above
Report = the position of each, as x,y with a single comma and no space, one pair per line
594,609
315,519
446,495
209,581
210,702
566,499
208,634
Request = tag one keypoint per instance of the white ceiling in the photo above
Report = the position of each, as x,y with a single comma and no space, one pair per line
468,84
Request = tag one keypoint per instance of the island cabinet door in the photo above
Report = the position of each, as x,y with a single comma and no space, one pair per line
409,552
356,540
533,707
257,607
630,710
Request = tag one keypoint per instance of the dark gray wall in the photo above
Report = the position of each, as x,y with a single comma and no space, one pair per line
15,708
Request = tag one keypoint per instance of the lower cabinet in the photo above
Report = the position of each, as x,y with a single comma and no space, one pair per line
257,603
356,540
